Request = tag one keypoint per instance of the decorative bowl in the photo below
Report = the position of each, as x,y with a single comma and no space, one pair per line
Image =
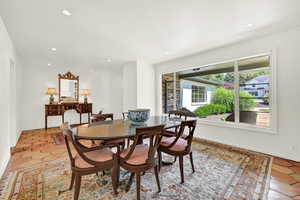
139,115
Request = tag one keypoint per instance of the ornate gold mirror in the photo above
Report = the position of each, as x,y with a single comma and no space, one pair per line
68,85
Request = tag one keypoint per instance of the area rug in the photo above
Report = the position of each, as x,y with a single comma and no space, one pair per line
58,138
221,173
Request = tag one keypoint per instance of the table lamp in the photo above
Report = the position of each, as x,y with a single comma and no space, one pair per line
85,93
51,92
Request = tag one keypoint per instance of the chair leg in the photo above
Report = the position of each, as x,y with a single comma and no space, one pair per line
159,159
123,145
72,181
77,186
115,179
128,142
181,168
175,159
192,162
138,185
157,177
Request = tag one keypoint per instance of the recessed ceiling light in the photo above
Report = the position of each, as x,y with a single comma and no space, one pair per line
49,64
167,53
249,25
108,60
66,13
53,49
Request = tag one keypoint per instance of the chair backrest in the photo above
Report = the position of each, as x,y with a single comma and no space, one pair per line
182,112
65,127
102,117
107,116
80,149
176,113
125,115
154,133
191,125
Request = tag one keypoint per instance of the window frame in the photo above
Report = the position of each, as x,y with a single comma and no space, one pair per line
204,95
273,128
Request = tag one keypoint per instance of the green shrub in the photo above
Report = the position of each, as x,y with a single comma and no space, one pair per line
246,101
266,99
226,97
210,109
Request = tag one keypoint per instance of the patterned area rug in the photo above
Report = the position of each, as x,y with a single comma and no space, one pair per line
58,138
221,173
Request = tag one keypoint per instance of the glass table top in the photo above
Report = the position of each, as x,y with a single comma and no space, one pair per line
112,129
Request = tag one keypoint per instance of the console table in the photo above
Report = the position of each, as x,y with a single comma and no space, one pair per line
59,110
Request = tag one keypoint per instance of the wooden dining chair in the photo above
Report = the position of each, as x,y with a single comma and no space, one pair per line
177,113
183,114
179,146
125,117
90,160
101,117
104,117
141,157
172,115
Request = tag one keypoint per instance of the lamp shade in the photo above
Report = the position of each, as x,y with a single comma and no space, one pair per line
51,91
85,92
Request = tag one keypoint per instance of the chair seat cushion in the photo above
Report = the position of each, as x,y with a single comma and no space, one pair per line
180,145
101,155
139,155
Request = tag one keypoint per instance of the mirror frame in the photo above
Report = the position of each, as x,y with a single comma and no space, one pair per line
68,76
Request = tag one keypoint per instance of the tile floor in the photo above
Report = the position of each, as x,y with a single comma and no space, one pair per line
38,146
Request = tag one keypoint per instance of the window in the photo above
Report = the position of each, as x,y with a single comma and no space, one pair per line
237,92
255,100
198,94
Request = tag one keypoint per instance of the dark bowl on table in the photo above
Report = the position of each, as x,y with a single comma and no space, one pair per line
139,115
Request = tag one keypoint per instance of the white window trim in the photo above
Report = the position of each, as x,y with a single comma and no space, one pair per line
199,102
273,128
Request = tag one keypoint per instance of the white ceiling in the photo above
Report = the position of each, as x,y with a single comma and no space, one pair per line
124,30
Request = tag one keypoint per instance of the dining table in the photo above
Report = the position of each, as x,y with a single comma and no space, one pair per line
117,129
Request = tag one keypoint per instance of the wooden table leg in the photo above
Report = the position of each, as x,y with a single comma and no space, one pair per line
63,118
80,117
46,122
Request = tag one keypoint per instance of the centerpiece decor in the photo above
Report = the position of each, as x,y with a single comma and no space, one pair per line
138,115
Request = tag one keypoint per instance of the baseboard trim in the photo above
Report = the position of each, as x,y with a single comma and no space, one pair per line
225,145
12,150
72,125
4,164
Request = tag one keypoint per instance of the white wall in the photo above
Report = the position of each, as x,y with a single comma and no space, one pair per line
129,86
286,142
145,86
104,83
139,86
10,84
